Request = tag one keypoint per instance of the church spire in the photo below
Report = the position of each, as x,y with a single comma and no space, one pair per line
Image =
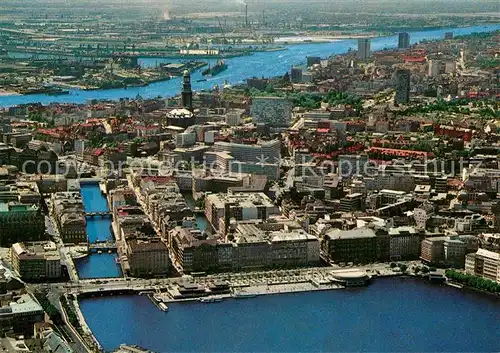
187,93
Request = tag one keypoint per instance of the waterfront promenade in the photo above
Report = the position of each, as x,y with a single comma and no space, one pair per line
249,280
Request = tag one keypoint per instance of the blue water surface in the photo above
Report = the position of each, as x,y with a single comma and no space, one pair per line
98,266
265,64
98,229
391,315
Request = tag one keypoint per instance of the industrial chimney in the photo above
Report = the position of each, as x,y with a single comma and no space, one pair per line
246,15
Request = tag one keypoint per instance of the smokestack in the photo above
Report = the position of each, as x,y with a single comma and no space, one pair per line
246,15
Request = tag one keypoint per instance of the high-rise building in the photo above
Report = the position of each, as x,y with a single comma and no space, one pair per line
403,40
364,51
187,93
263,151
313,60
402,78
296,74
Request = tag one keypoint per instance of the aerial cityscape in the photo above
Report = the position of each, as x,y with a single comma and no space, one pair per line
249,176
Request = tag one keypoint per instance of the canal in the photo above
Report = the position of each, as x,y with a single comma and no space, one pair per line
97,265
201,220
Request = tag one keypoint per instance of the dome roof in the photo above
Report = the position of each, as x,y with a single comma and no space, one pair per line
180,113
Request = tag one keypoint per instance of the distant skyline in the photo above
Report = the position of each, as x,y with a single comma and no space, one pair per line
361,6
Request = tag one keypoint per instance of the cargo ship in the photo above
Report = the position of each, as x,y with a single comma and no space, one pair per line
216,69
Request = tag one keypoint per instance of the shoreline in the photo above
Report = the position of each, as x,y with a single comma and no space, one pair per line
6,93
381,290
79,98
257,290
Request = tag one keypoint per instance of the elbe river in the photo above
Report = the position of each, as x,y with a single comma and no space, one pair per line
260,64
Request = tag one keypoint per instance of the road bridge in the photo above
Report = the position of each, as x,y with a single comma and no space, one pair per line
101,214
103,246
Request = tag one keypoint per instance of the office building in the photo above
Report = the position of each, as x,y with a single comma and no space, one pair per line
20,222
221,208
79,146
351,164
69,213
192,251
402,78
352,202
404,243
261,152
273,111
356,245
270,170
234,117
20,315
449,251
364,51
252,246
185,139
296,74
484,263
147,257
450,67
313,60
403,40
36,261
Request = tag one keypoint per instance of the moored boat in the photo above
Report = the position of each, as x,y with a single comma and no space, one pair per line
216,69
244,295
163,306
206,300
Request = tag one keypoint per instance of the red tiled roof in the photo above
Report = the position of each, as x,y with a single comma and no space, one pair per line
414,59
400,153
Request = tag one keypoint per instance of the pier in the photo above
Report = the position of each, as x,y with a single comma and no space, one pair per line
316,277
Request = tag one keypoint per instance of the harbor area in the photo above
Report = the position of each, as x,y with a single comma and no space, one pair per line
247,285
